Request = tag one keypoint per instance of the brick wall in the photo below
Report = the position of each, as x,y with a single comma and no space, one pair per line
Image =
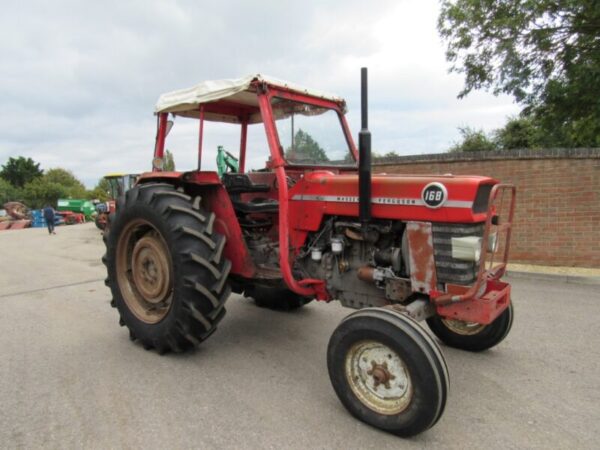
557,219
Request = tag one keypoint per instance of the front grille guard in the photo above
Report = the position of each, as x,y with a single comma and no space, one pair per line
488,271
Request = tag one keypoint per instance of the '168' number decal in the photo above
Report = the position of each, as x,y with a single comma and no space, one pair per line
434,195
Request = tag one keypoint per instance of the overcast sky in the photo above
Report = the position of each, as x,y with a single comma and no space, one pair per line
79,80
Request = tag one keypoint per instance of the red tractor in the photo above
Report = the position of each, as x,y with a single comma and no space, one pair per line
315,223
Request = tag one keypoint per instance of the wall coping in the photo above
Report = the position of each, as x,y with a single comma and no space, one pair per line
550,153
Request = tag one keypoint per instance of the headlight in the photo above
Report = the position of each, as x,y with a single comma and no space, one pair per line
467,248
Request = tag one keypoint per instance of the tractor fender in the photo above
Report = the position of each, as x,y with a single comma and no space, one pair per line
214,198
201,178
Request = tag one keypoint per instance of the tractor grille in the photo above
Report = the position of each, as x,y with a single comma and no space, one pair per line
450,270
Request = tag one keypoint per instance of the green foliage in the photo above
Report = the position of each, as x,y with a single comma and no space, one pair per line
54,184
563,128
305,149
101,191
544,53
104,184
169,162
23,180
376,157
19,171
473,141
75,188
97,194
8,193
521,132
41,192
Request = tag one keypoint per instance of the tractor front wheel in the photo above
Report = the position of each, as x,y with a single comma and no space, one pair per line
471,336
387,371
165,268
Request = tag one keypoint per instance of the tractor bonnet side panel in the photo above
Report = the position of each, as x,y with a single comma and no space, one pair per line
397,197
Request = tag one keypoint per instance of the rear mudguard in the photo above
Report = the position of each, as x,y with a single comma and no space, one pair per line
215,199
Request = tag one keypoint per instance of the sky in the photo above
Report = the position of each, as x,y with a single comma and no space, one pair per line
79,80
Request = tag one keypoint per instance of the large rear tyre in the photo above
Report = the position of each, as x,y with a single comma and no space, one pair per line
472,336
387,371
165,268
276,298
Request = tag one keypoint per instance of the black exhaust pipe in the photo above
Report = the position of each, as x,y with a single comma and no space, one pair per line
364,155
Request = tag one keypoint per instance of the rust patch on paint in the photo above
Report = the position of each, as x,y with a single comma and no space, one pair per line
422,263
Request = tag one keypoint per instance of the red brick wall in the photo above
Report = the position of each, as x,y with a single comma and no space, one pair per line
557,219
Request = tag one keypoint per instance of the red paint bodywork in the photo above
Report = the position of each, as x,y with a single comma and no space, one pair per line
215,199
308,215
331,191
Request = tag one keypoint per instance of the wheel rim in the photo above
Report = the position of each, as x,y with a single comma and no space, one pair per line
144,271
463,328
378,377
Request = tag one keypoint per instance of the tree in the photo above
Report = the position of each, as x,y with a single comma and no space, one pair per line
544,53
65,178
169,162
8,193
376,157
101,191
21,170
54,184
473,141
41,192
305,149
520,132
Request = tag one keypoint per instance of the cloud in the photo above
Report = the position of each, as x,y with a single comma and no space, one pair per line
79,79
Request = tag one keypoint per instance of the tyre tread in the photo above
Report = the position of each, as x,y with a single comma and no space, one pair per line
201,304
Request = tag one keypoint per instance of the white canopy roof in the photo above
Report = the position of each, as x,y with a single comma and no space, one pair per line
185,102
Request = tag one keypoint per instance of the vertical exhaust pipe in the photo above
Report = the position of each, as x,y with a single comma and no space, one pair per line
364,155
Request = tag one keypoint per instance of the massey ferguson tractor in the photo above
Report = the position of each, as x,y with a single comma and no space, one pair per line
315,223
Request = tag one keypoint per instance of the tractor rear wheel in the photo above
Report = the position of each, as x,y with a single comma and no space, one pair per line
387,371
276,298
472,336
165,268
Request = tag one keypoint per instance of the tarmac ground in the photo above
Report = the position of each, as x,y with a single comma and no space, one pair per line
71,378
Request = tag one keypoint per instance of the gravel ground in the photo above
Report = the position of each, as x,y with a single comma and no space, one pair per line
70,377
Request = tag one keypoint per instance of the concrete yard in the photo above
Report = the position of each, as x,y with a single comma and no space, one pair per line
71,378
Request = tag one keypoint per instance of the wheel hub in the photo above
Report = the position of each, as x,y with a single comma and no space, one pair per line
463,328
150,269
380,374
144,271
378,377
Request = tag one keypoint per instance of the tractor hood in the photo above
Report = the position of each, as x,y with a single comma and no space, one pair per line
440,198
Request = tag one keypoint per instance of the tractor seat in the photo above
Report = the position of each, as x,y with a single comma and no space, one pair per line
240,183
256,205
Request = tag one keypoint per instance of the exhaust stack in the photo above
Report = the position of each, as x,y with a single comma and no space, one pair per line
364,155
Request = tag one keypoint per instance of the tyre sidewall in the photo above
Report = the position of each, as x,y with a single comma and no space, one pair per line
122,218
428,398
487,338
144,203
